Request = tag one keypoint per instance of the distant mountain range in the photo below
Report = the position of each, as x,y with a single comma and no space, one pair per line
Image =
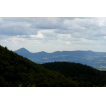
94,59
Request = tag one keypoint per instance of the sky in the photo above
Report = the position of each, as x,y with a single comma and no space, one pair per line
51,34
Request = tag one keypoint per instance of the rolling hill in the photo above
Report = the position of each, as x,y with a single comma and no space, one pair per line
16,70
93,59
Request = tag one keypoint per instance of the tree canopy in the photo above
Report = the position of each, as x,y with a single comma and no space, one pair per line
16,70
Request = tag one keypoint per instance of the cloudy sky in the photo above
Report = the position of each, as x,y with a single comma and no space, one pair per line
51,34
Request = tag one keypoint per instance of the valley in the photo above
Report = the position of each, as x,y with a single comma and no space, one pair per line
90,58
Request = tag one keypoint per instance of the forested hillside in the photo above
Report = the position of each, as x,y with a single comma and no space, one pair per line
16,70
78,71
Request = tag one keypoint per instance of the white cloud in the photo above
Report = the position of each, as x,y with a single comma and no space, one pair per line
64,36
1,21
68,42
39,35
104,37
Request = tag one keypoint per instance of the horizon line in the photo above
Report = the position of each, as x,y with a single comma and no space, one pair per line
55,51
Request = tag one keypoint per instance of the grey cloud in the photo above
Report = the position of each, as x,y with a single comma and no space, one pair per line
49,35
47,23
86,27
13,31
18,19
16,26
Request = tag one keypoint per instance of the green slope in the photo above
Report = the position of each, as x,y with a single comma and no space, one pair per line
79,72
16,70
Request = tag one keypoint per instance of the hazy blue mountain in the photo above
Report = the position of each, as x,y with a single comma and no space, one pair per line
94,59
22,50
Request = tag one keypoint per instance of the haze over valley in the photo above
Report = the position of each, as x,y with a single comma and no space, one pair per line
90,58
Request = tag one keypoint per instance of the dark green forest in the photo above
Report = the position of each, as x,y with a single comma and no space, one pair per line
18,71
